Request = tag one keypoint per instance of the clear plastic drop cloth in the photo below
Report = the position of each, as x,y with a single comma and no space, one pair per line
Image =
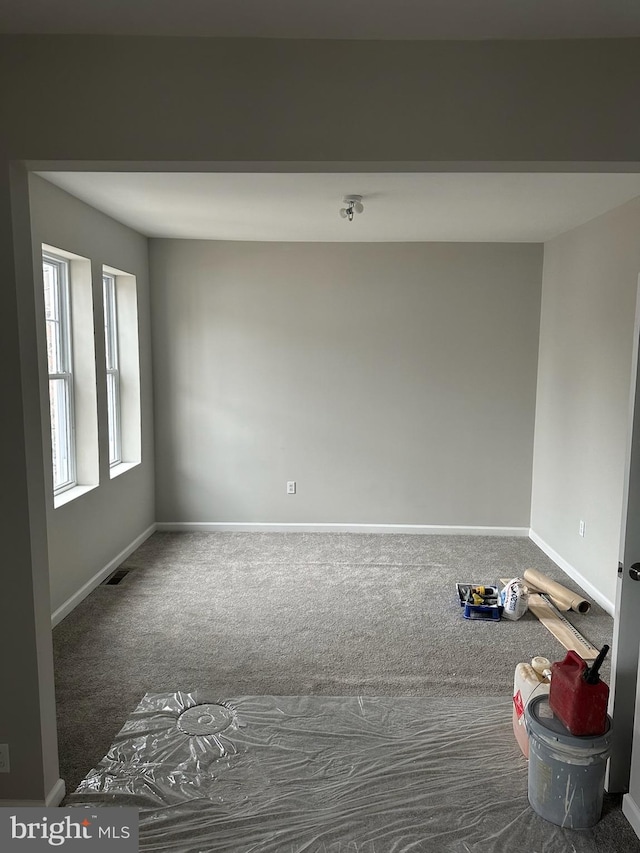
320,774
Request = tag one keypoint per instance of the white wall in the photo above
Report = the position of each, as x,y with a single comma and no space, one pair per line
586,336
86,534
509,104
394,382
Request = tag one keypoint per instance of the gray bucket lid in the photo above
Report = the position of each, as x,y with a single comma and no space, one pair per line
541,721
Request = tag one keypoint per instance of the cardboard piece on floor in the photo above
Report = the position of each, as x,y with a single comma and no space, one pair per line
559,626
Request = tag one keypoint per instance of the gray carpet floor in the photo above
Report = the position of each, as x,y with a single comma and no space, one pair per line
295,614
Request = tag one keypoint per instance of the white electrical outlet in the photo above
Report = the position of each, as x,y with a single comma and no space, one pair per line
4,758
581,528
291,487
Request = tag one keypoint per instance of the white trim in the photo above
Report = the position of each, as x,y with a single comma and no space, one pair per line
56,794
573,573
331,527
66,608
121,468
53,798
71,494
632,813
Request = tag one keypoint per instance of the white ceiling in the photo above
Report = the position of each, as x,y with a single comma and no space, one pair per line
304,207
342,19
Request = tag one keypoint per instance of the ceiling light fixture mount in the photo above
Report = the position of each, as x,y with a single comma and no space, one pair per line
352,204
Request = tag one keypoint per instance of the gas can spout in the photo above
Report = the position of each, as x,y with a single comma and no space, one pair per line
591,673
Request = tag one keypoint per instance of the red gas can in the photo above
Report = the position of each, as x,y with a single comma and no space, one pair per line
577,696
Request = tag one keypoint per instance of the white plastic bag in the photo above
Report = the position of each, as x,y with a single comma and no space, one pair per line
514,598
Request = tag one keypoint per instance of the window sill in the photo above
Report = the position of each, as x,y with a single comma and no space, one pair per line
71,494
121,468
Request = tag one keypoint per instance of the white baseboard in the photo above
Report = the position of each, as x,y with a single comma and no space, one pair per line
322,527
632,813
573,573
53,798
66,608
56,794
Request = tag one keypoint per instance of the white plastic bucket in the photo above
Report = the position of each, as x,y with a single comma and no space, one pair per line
528,682
566,773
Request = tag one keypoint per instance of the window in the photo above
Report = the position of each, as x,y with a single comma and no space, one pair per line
55,272
69,341
113,370
122,357
79,445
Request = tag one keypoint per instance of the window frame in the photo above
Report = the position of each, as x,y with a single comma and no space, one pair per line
64,348
112,367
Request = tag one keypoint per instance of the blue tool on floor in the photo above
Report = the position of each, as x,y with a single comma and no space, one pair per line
480,601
